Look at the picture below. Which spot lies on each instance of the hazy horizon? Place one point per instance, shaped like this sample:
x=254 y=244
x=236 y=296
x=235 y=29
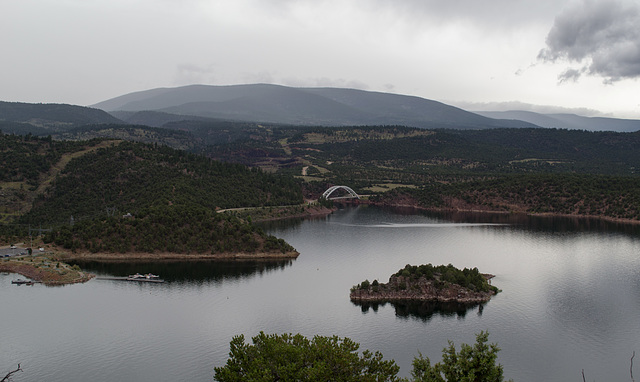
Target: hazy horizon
x=579 y=55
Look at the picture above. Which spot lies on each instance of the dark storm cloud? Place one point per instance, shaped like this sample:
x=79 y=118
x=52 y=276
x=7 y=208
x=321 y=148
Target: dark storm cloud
x=602 y=36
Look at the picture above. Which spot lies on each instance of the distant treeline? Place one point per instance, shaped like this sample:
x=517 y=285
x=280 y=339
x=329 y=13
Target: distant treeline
x=570 y=194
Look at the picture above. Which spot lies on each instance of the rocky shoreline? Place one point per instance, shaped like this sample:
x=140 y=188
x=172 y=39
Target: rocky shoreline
x=406 y=201
x=45 y=270
x=402 y=288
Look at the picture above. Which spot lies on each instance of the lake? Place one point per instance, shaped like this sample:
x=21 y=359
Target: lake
x=570 y=300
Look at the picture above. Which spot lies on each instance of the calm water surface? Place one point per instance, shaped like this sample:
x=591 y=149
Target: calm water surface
x=570 y=301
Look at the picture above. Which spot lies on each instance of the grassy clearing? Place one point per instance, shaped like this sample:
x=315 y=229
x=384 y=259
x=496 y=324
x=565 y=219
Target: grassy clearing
x=285 y=145
x=341 y=136
x=310 y=178
x=384 y=187
x=46 y=179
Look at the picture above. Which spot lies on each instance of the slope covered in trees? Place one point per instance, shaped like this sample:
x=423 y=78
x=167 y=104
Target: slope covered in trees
x=53 y=116
x=614 y=197
x=131 y=176
x=24 y=158
x=83 y=189
x=169 y=229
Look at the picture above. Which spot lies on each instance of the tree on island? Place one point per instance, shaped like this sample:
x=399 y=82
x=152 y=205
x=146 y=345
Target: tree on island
x=291 y=357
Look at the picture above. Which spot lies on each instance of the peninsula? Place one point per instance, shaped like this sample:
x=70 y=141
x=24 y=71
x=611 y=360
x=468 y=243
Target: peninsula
x=443 y=283
x=45 y=269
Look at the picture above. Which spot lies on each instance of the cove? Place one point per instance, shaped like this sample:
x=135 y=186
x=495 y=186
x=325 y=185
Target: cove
x=570 y=300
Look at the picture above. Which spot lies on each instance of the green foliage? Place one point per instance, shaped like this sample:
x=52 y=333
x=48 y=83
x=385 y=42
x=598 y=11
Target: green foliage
x=133 y=176
x=290 y=357
x=475 y=363
x=25 y=158
x=177 y=139
x=175 y=229
x=468 y=278
x=325 y=202
x=570 y=194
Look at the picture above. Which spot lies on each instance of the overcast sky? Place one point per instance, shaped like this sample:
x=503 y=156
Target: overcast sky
x=582 y=55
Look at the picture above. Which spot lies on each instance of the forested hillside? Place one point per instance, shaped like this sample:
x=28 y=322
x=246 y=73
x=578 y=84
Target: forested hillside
x=375 y=159
x=130 y=176
x=169 y=229
x=52 y=115
x=27 y=164
x=120 y=196
x=177 y=139
x=25 y=158
x=442 y=168
x=613 y=197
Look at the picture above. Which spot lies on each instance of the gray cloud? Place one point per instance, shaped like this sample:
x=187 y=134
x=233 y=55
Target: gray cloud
x=601 y=36
x=192 y=74
x=570 y=75
x=488 y=14
x=325 y=82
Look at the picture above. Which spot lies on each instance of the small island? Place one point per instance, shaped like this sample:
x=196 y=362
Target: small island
x=443 y=283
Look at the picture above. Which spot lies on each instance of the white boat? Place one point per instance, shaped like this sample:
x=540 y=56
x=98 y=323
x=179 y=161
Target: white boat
x=146 y=276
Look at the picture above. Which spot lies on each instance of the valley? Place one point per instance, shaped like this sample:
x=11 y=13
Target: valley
x=83 y=168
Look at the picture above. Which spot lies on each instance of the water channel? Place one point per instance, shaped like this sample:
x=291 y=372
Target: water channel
x=570 y=301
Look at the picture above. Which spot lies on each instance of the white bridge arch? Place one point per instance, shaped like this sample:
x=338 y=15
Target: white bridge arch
x=352 y=194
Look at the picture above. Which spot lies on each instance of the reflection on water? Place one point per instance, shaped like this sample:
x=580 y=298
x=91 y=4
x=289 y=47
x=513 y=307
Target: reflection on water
x=187 y=271
x=570 y=300
x=526 y=222
x=556 y=224
x=423 y=310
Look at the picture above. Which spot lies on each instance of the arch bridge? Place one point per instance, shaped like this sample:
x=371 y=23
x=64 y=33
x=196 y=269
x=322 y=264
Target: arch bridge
x=330 y=190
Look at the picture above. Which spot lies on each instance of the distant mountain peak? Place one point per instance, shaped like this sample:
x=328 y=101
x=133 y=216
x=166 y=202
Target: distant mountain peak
x=302 y=106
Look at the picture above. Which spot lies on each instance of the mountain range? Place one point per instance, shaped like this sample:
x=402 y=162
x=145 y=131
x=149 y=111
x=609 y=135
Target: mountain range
x=302 y=106
x=567 y=121
x=276 y=104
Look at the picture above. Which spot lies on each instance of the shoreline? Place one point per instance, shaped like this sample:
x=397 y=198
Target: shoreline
x=104 y=256
x=486 y=211
x=54 y=271
x=42 y=271
x=407 y=289
x=265 y=214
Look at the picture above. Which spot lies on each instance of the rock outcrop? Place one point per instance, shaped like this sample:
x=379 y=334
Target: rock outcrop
x=407 y=288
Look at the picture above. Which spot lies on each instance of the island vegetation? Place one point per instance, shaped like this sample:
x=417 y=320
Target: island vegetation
x=443 y=283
